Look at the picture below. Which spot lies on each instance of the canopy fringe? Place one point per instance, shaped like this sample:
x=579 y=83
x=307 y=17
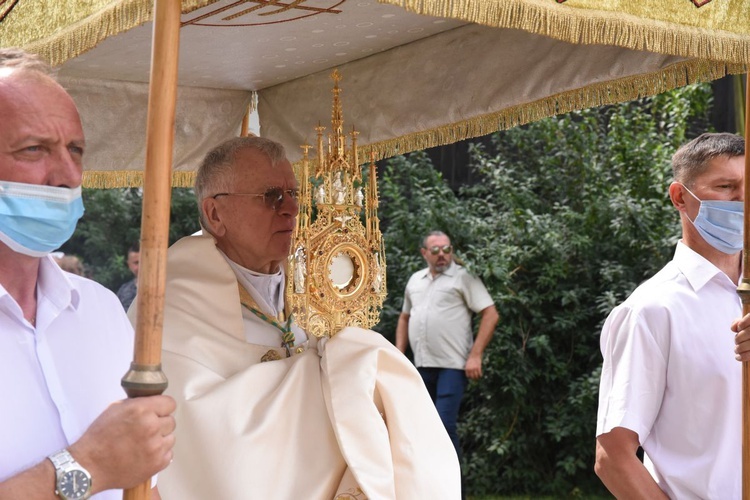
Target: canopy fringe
x=110 y=179
x=625 y=89
x=96 y=25
x=590 y=26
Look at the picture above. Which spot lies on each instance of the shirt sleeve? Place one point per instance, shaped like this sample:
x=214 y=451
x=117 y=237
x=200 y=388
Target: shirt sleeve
x=475 y=293
x=406 y=308
x=634 y=345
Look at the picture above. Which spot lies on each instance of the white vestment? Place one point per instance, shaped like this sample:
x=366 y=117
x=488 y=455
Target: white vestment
x=346 y=418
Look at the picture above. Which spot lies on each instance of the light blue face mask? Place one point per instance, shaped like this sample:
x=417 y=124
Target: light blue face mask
x=35 y=219
x=720 y=223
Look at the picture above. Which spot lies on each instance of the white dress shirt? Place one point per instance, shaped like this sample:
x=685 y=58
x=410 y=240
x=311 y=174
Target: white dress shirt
x=670 y=375
x=57 y=377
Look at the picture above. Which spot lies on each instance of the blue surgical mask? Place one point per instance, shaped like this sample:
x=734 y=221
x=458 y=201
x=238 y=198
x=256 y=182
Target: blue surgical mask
x=35 y=219
x=720 y=223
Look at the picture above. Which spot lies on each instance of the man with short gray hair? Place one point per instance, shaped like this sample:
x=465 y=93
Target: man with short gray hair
x=265 y=411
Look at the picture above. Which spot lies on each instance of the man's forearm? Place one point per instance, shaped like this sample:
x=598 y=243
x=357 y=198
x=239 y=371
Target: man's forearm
x=633 y=481
x=37 y=482
x=485 y=331
x=625 y=476
x=402 y=332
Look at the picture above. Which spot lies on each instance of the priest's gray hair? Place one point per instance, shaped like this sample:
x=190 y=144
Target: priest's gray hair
x=216 y=173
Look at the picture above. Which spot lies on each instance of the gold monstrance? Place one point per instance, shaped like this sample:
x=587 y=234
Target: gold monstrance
x=336 y=272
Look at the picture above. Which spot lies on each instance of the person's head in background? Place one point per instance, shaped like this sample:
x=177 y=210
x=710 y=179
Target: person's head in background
x=134 y=258
x=69 y=263
x=437 y=251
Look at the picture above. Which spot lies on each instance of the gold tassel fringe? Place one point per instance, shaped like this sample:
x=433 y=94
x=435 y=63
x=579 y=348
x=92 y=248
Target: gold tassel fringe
x=626 y=89
x=588 y=26
x=613 y=92
x=98 y=179
x=60 y=43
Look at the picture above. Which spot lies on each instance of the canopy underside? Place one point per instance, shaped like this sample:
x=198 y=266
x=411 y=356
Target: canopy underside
x=409 y=81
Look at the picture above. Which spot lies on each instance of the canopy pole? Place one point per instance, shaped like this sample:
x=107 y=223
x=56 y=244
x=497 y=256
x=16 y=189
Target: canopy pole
x=145 y=377
x=744 y=291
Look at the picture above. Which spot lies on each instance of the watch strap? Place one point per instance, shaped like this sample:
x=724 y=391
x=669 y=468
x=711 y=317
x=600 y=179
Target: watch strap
x=61 y=459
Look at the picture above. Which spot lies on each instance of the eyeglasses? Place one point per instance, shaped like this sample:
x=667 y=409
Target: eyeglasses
x=447 y=249
x=273 y=197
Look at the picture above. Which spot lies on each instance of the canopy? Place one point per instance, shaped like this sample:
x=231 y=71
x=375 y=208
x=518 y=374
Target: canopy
x=409 y=81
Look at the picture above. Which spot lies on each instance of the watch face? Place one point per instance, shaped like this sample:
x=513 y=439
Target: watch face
x=74 y=484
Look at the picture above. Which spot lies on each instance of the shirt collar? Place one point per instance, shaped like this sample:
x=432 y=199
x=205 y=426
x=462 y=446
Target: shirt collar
x=56 y=286
x=53 y=287
x=268 y=287
x=696 y=268
x=452 y=268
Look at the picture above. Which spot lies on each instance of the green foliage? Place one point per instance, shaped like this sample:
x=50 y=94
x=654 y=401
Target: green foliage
x=112 y=223
x=414 y=200
x=572 y=214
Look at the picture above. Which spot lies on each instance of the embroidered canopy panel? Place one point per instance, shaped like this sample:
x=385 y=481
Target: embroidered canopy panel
x=415 y=73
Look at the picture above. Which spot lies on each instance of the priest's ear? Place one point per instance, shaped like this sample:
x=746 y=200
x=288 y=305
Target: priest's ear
x=211 y=218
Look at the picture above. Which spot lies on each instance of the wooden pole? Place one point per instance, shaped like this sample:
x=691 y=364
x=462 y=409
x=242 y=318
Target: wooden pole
x=744 y=291
x=145 y=377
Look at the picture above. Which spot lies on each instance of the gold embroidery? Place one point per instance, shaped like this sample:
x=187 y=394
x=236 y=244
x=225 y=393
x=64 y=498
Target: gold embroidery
x=352 y=494
x=228 y=15
x=271 y=355
x=287 y=335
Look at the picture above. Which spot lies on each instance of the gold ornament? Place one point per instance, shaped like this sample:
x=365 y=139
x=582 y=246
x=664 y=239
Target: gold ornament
x=336 y=272
x=271 y=355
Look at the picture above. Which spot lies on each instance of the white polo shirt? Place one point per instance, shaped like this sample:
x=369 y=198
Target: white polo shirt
x=669 y=375
x=55 y=379
x=439 y=310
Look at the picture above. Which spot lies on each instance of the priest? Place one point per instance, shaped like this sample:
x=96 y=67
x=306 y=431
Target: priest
x=264 y=411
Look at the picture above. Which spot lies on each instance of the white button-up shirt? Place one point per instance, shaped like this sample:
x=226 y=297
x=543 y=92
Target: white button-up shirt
x=670 y=375
x=439 y=310
x=57 y=377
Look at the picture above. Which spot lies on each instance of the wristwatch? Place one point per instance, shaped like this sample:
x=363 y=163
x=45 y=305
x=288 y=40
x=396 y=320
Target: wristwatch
x=72 y=482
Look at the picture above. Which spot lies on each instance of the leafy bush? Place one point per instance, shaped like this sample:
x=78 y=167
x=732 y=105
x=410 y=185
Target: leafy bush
x=112 y=223
x=571 y=215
